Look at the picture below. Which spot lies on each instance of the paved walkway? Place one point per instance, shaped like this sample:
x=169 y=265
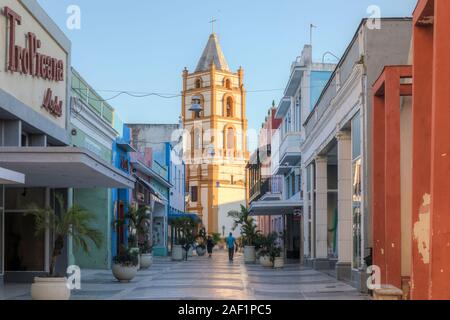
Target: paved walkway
x=204 y=278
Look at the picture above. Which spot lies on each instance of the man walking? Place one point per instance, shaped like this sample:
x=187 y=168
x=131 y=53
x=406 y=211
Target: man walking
x=231 y=244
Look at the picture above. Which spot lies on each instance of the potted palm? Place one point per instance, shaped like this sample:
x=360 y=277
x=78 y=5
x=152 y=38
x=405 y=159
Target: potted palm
x=266 y=243
x=138 y=222
x=74 y=222
x=125 y=265
x=249 y=232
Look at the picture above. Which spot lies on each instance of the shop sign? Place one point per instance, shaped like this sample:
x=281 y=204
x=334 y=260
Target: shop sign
x=29 y=61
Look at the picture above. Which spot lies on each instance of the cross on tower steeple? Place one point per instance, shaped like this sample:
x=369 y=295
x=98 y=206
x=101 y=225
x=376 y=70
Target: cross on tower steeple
x=213 y=20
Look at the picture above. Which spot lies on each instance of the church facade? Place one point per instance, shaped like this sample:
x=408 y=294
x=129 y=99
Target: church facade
x=215 y=139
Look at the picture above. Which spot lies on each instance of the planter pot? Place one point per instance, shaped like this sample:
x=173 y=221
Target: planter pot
x=265 y=262
x=249 y=254
x=124 y=273
x=50 y=289
x=177 y=253
x=279 y=263
x=201 y=251
x=146 y=260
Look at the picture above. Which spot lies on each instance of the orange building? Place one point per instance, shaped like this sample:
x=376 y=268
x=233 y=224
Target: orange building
x=411 y=156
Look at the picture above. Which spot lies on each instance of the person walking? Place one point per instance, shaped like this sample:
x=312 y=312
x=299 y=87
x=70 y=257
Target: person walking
x=210 y=245
x=231 y=244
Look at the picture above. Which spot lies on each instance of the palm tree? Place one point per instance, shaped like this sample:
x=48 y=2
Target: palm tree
x=138 y=221
x=249 y=230
x=74 y=222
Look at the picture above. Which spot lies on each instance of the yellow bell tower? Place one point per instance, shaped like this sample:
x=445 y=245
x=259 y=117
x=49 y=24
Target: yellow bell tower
x=215 y=144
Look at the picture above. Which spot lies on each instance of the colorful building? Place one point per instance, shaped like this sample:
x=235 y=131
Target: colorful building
x=336 y=153
x=35 y=121
x=410 y=203
x=215 y=140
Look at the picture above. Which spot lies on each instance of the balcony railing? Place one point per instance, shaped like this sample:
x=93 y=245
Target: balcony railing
x=267 y=186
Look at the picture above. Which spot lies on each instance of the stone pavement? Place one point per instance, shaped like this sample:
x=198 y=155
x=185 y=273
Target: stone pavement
x=202 y=278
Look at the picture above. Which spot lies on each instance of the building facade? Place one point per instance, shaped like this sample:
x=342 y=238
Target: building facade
x=215 y=140
x=35 y=108
x=410 y=162
x=336 y=153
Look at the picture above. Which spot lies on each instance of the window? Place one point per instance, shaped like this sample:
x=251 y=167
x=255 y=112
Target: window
x=198 y=83
x=229 y=107
x=228 y=83
x=194 y=194
x=230 y=145
x=298 y=115
x=197 y=140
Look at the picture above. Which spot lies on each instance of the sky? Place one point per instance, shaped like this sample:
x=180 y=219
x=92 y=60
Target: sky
x=143 y=45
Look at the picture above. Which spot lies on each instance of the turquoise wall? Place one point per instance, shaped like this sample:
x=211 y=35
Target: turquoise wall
x=99 y=203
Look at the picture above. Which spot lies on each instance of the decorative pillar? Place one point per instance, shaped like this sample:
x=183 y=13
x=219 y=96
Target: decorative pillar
x=321 y=221
x=343 y=267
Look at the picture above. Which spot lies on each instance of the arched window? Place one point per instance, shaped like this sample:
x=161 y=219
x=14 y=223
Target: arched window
x=230 y=139
x=198 y=99
x=198 y=83
x=197 y=140
x=229 y=106
x=228 y=83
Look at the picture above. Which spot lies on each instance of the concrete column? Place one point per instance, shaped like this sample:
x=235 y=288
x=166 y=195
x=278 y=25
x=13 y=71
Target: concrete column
x=321 y=223
x=343 y=267
x=306 y=214
x=440 y=158
x=421 y=163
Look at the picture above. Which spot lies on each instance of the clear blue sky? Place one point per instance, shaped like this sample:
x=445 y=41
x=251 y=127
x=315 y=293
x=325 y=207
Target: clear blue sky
x=143 y=45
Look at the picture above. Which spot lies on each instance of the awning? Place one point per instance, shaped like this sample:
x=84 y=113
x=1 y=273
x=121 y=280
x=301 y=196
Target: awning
x=275 y=208
x=11 y=177
x=150 y=172
x=175 y=215
x=63 y=167
x=152 y=190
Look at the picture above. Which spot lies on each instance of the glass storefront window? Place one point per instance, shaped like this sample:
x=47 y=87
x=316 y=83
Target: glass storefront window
x=356 y=205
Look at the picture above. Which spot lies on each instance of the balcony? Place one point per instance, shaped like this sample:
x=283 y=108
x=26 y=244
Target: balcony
x=270 y=188
x=290 y=154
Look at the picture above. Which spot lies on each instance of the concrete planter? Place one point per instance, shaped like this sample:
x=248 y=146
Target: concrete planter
x=200 y=251
x=265 y=262
x=279 y=263
x=146 y=260
x=50 y=289
x=249 y=254
x=124 y=273
x=177 y=253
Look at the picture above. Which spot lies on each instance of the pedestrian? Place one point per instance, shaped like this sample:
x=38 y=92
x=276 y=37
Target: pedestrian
x=231 y=244
x=210 y=245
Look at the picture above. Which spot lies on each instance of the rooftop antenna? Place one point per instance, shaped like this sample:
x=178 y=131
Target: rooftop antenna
x=311 y=27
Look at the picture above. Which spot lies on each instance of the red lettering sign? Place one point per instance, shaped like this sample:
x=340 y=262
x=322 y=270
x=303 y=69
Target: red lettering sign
x=28 y=60
x=52 y=104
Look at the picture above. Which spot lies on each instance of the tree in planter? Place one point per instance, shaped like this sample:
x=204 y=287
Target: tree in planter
x=184 y=231
x=138 y=222
x=74 y=222
x=249 y=230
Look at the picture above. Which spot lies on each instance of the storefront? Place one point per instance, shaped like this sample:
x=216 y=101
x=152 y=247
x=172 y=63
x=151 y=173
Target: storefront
x=34 y=139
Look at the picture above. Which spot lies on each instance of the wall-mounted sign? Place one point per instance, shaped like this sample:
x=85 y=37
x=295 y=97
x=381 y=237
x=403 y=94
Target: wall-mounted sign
x=35 y=63
x=29 y=61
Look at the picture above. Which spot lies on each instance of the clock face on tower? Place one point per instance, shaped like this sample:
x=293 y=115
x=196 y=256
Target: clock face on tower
x=215 y=124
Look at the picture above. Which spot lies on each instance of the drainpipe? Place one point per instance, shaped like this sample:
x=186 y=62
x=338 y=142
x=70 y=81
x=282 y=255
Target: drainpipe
x=70 y=255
